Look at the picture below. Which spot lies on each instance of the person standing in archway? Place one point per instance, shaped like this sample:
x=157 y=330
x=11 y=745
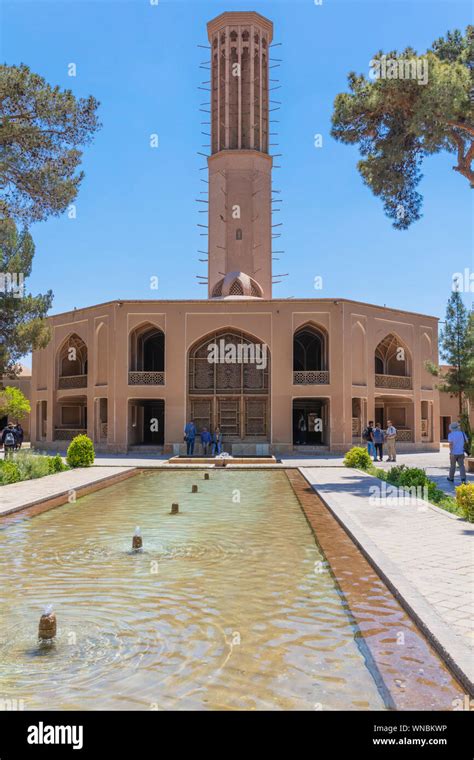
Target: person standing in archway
x=302 y=429
x=190 y=437
x=217 y=442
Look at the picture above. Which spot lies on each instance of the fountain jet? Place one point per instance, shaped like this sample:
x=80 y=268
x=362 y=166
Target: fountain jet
x=137 y=542
x=47 y=624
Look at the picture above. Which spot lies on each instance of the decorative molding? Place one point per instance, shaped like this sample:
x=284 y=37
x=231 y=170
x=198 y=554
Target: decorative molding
x=146 y=378
x=393 y=381
x=311 y=377
x=72 y=381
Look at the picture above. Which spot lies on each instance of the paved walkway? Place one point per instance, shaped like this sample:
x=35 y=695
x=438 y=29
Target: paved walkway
x=436 y=465
x=424 y=555
x=29 y=492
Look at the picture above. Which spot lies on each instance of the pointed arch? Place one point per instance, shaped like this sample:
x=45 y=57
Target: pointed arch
x=101 y=354
x=426 y=354
x=72 y=356
x=392 y=357
x=358 y=354
x=310 y=348
x=147 y=348
x=228 y=384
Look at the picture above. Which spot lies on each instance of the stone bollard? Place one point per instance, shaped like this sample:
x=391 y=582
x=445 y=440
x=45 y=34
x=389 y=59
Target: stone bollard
x=174 y=509
x=194 y=489
x=47 y=625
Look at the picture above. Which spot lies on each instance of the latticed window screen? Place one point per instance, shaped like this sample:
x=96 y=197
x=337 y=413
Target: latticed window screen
x=201 y=412
x=229 y=416
x=206 y=377
x=234 y=396
x=236 y=289
x=255 y=416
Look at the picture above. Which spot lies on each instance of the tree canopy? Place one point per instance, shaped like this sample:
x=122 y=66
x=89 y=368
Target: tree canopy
x=41 y=131
x=22 y=325
x=414 y=107
x=13 y=403
x=457 y=350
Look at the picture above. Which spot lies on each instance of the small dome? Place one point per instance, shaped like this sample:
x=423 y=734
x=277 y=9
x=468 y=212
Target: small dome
x=237 y=284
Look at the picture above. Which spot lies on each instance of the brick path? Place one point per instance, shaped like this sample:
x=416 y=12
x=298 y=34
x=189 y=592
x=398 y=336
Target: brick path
x=29 y=492
x=426 y=556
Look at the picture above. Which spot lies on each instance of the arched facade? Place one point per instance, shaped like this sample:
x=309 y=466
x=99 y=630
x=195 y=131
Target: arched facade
x=228 y=385
x=140 y=370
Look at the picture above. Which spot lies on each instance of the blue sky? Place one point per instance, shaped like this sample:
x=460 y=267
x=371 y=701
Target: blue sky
x=136 y=210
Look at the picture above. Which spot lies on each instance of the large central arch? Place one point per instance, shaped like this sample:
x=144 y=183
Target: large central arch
x=227 y=391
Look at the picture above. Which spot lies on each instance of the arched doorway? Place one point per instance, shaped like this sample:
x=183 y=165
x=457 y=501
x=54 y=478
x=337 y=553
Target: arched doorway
x=229 y=386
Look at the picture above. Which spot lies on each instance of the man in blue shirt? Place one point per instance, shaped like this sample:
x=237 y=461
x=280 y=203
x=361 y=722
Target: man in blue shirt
x=190 y=437
x=205 y=441
x=456 y=439
x=378 y=438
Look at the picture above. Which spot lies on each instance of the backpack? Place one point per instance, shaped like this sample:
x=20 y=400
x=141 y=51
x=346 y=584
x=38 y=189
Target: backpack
x=467 y=445
x=365 y=434
x=9 y=439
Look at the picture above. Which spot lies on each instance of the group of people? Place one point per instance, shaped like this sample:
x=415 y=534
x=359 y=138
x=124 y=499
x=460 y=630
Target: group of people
x=211 y=442
x=376 y=438
x=457 y=439
x=12 y=438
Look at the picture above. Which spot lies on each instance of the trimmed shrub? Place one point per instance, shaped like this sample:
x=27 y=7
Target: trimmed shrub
x=465 y=500
x=80 y=452
x=358 y=457
x=9 y=473
x=56 y=464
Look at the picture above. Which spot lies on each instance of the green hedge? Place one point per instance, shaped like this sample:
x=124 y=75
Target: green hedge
x=25 y=465
x=415 y=477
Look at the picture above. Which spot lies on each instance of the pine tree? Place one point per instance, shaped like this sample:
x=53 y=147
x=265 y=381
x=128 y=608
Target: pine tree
x=41 y=131
x=457 y=350
x=22 y=326
x=397 y=120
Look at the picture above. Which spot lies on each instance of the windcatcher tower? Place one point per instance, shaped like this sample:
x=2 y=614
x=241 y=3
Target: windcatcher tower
x=240 y=167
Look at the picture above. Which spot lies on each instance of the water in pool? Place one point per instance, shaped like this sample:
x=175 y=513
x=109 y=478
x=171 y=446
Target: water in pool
x=226 y=608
